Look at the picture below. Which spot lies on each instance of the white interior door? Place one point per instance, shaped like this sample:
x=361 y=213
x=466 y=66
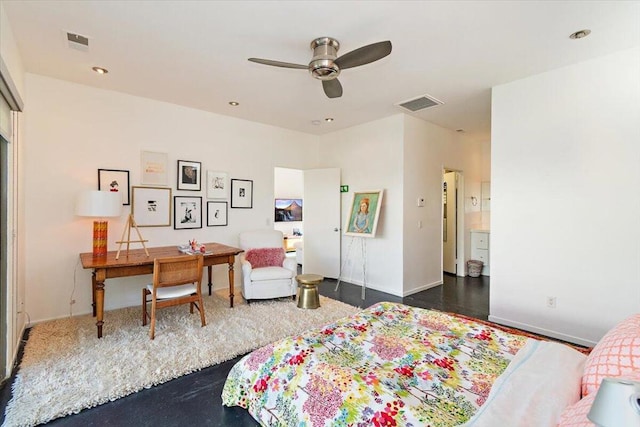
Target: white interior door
x=321 y=216
x=449 y=219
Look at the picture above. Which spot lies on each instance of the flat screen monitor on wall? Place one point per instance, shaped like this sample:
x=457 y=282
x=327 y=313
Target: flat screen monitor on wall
x=288 y=210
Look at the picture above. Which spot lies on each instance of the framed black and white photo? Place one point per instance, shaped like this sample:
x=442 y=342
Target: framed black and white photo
x=241 y=193
x=115 y=181
x=217 y=185
x=217 y=214
x=151 y=206
x=187 y=212
x=154 y=168
x=189 y=175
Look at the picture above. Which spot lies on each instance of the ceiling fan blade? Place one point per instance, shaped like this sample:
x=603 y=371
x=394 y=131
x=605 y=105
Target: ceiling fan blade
x=364 y=55
x=332 y=88
x=278 y=63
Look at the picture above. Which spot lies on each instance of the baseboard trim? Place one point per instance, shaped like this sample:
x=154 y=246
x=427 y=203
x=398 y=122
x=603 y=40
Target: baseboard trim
x=422 y=288
x=542 y=331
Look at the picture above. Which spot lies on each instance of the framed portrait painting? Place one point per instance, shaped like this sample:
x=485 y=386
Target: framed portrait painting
x=189 y=175
x=154 y=168
x=187 y=212
x=116 y=181
x=151 y=206
x=364 y=214
x=241 y=193
x=217 y=214
x=217 y=185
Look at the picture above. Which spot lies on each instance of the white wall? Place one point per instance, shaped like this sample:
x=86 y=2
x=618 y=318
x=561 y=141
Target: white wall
x=428 y=150
x=73 y=130
x=565 y=201
x=370 y=158
x=288 y=184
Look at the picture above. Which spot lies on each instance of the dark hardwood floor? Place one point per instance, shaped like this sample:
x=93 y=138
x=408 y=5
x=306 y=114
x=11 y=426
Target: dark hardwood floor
x=195 y=399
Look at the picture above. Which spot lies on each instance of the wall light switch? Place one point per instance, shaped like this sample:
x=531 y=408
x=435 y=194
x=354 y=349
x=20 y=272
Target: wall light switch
x=420 y=202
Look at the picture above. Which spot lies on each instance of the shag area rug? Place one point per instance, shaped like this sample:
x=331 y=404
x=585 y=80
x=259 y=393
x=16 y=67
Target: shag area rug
x=66 y=368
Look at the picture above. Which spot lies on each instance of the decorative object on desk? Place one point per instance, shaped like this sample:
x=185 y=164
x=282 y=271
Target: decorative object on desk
x=154 y=168
x=242 y=193
x=217 y=213
x=115 y=181
x=187 y=212
x=43 y=389
x=617 y=403
x=288 y=210
x=131 y=222
x=189 y=174
x=99 y=204
x=364 y=214
x=151 y=206
x=217 y=183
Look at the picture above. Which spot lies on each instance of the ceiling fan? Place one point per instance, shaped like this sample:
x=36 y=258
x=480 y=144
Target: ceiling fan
x=326 y=65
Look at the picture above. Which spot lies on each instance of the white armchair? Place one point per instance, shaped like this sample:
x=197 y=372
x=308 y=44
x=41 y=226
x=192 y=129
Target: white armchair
x=271 y=281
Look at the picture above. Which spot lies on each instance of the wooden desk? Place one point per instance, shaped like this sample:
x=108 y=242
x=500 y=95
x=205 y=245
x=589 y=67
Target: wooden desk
x=138 y=263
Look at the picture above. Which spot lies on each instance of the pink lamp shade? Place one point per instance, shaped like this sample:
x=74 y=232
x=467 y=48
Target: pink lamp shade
x=99 y=204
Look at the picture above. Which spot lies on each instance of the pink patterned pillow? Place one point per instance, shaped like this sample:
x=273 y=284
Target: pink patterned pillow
x=265 y=257
x=617 y=354
x=576 y=414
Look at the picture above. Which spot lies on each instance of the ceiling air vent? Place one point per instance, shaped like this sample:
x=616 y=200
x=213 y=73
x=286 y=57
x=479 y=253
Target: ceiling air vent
x=76 y=41
x=420 y=103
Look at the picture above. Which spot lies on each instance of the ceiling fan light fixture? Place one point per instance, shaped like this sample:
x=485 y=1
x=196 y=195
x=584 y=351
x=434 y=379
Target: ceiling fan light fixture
x=324 y=69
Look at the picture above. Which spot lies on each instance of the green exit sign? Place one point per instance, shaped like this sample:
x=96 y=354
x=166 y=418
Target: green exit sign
x=344 y=188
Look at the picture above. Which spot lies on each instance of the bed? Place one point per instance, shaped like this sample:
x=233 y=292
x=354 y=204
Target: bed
x=396 y=365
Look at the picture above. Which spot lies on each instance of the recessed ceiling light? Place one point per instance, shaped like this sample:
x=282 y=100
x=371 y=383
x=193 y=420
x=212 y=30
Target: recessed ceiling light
x=580 y=34
x=100 y=70
x=460 y=130
x=315 y=122
x=328 y=119
x=234 y=103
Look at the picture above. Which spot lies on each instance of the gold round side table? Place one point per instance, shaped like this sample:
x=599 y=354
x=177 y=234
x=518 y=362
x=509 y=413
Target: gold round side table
x=308 y=296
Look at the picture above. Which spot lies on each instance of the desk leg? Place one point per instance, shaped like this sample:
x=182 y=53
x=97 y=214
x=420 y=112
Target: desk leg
x=231 y=283
x=100 y=276
x=209 y=268
x=93 y=292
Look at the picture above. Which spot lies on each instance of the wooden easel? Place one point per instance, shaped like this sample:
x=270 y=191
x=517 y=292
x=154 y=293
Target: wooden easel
x=131 y=223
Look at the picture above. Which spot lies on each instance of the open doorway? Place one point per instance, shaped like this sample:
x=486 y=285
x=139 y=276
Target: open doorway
x=452 y=222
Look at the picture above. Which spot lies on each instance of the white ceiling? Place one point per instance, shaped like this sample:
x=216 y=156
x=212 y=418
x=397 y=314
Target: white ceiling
x=194 y=53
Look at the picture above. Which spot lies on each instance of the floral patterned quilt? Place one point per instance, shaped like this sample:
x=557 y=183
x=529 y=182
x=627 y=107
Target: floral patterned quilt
x=389 y=365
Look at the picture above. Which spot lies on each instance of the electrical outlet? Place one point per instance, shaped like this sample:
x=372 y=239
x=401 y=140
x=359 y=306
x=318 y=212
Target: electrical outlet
x=551 y=302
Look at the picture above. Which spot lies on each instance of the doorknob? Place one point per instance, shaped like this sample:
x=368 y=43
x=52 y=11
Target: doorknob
x=336 y=229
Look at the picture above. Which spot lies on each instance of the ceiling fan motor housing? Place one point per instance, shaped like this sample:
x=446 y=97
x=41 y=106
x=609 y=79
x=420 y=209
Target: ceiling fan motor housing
x=325 y=51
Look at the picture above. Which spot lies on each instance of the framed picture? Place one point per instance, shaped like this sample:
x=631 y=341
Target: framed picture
x=241 y=193
x=116 y=181
x=151 y=206
x=217 y=213
x=217 y=185
x=187 y=212
x=363 y=216
x=189 y=175
x=154 y=168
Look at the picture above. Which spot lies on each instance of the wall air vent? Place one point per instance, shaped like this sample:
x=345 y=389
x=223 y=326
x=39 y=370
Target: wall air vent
x=420 y=103
x=76 y=41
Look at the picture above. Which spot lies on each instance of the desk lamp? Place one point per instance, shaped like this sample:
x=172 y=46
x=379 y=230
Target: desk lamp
x=617 y=403
x=100 y=204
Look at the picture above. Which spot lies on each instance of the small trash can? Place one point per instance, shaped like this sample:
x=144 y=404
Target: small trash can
x=474 y=267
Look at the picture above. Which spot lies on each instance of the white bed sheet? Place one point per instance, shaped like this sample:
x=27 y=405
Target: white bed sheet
x=542 y=380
